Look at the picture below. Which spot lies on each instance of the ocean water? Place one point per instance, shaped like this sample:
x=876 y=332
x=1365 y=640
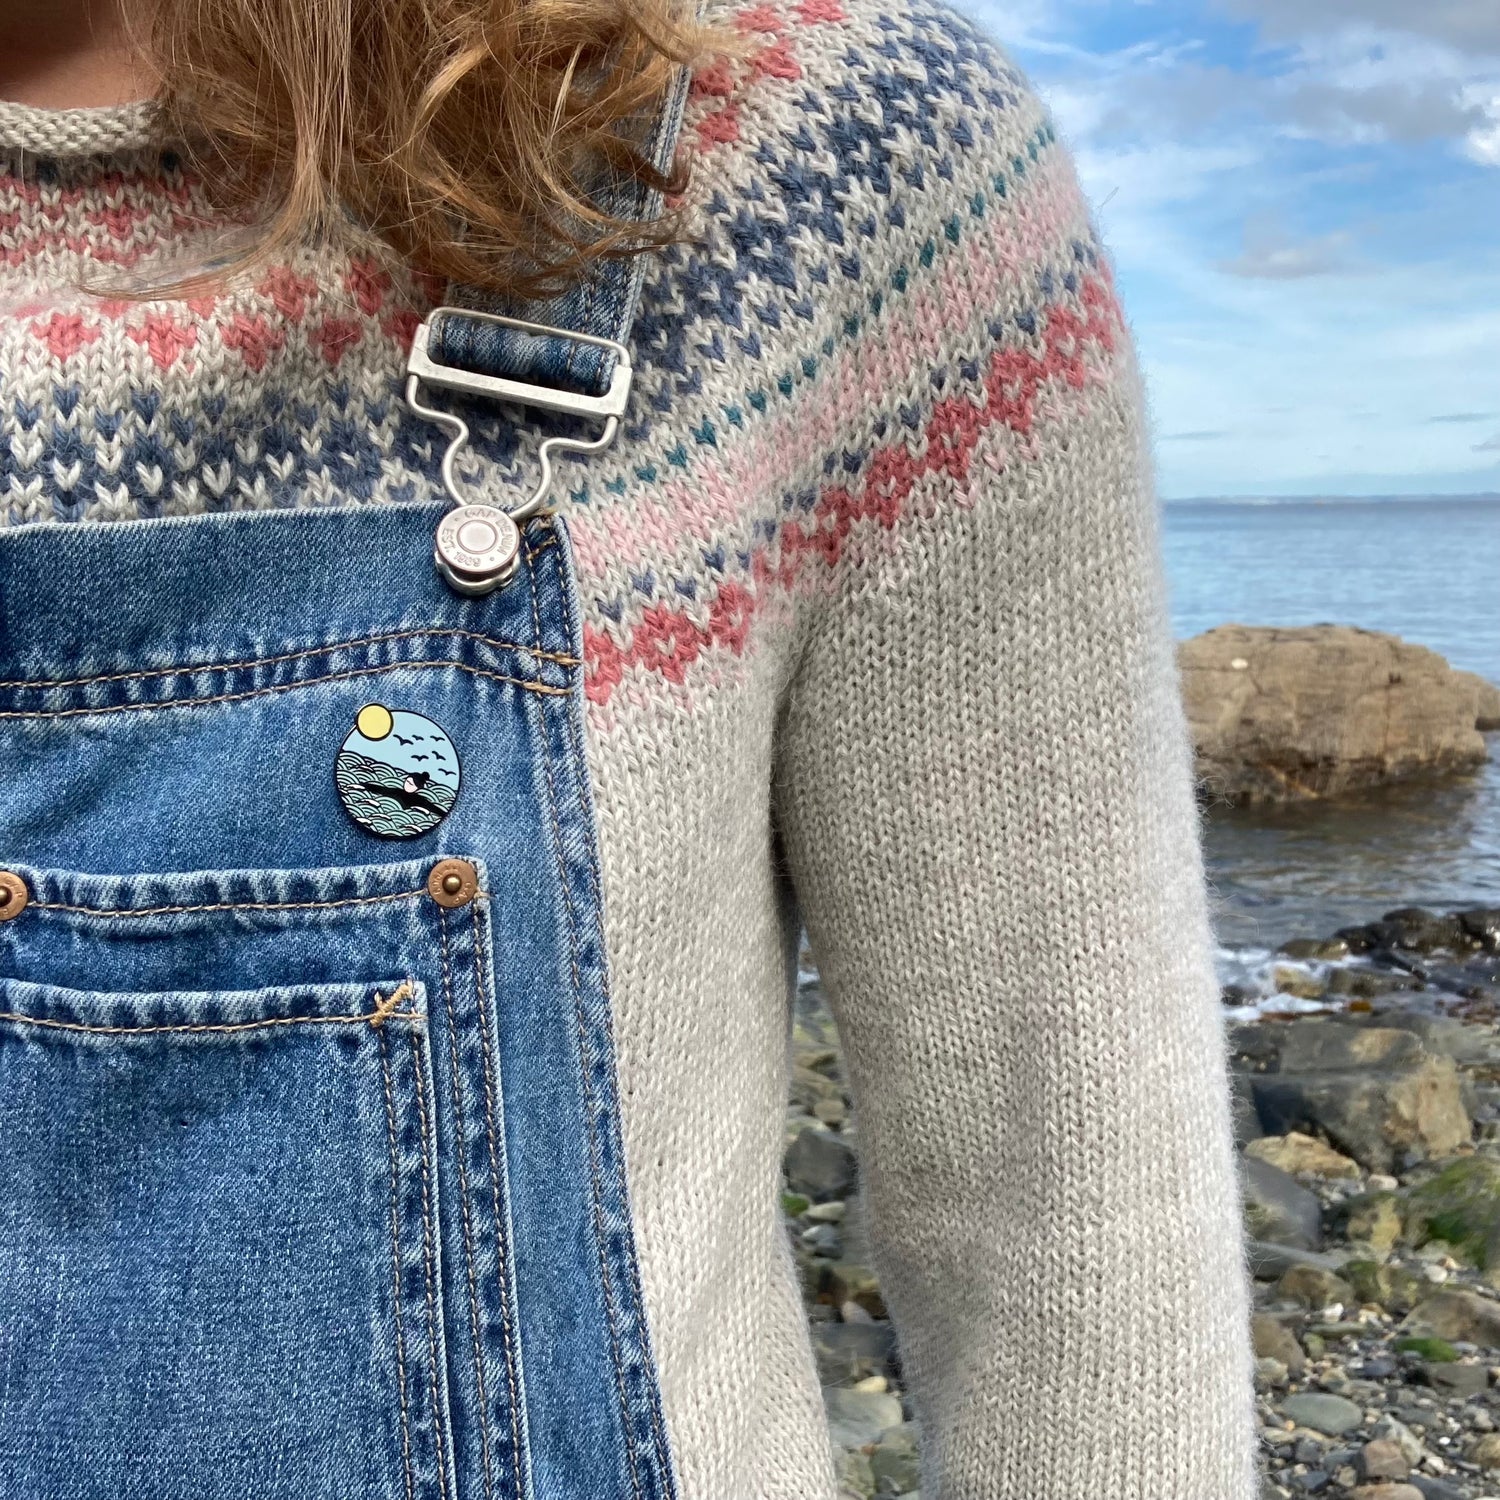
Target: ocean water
x=1426 y=570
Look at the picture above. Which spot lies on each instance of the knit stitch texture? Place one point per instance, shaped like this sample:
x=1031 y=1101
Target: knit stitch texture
x=874 y=621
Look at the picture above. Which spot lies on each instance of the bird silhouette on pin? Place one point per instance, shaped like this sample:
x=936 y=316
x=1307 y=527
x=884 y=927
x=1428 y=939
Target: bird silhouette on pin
x=378 y=780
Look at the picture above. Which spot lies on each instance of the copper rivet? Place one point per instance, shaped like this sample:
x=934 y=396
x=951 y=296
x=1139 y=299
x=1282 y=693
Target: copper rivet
x=14 y=896
x=453 y=882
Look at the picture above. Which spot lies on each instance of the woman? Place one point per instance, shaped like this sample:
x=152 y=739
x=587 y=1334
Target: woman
x=395 y=961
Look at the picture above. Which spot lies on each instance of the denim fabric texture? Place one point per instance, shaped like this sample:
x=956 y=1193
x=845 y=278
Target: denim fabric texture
x=313 y=1184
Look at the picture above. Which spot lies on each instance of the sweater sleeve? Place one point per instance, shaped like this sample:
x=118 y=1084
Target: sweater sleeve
x=983 y=787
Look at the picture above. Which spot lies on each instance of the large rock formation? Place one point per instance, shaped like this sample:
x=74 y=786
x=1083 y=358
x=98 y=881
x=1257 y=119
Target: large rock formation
x=1307 y=712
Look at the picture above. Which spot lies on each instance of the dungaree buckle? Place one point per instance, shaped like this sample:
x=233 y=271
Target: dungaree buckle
x=477 y=545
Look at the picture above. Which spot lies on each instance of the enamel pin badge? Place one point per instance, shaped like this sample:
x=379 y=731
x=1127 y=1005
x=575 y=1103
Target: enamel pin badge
x=397 y=773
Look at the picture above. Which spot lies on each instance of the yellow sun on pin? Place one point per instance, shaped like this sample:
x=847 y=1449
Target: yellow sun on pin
x=374 y=721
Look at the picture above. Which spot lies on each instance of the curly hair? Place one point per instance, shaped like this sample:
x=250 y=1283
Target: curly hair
x=464 y=134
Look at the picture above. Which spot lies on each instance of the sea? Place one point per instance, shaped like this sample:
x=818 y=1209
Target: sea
x=1427 y=570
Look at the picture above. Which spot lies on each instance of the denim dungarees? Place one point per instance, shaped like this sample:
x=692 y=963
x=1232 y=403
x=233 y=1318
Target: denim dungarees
x=313 y=1184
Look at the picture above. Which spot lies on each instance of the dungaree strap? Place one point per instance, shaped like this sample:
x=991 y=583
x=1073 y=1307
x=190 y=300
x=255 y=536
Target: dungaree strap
x=602 y=304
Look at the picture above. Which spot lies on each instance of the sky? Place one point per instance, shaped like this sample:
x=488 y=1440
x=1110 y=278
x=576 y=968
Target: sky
x=1302 y=199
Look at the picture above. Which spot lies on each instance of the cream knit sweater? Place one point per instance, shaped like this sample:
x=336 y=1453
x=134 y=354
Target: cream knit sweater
x=874 y=615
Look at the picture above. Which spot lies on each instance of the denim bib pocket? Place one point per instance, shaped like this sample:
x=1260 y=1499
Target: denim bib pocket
x=390 y=1254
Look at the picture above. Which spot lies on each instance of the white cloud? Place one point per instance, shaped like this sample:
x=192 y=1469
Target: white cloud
x=1272 y=255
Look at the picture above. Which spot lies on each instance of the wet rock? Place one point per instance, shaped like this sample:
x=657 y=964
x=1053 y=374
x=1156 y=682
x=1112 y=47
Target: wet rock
x=1305 y=949
x=820 y=1164
x=1322 y=1411
x=1418 y=930
x=1310 y=712
x=1482 y=923
x=1278 y=1209
x=1302 y=983
x=1295 y=1152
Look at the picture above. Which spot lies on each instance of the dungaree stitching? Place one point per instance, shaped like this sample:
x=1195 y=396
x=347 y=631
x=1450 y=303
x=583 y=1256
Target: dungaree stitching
x=501 y=1258
x=285 y=687
x=584 y=1055
x=596 y=890
x=465 y=1215
x=164 y=911
x=427 y=1256
x=375 y=1017
x=390 y=1126
x=188 y=668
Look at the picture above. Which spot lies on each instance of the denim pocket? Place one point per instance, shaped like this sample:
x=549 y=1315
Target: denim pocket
x=219 y=1223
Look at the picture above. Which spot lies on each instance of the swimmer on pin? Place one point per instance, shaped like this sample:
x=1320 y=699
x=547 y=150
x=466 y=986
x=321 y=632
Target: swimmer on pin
x=397 y=772
x=478 y=545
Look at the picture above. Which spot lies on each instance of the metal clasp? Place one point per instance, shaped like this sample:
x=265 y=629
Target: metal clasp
x=478 y=545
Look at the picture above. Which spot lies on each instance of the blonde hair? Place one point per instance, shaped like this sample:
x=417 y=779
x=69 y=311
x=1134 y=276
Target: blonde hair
x=462 y=133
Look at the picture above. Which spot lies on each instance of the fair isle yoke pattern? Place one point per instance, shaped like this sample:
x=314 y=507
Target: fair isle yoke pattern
x=872 y=608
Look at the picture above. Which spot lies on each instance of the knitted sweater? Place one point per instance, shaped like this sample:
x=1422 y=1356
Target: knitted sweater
x=874 y=614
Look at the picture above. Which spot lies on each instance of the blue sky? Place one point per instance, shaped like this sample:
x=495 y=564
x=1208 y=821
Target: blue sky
x=1303 y=201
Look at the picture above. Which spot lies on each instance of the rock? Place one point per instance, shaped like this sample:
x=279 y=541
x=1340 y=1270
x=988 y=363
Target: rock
x=1303 y=949
x=847 y=1352
x=1485 y=1451
x=1456 y=1314
x=1409 y=1109
x=1278 y=1209
x=1268 y=1261
x=1435 y=1489
x=1402 y=1436
x=1386 y=1492
x=1373 y=1219
x=1295 y=1152
x=848 y=1282
x=820 y=1164
x=1457 y=1377
x=1482 y=923
x=1394 y=1288
x=1322 y=709
x=1418 y=930
x=1317 y=1045
x=855 y=1480
x=1322 y=1411
x=1272 y=1339
x=1382 y=1458
x=1461 y=1206
x=859 y=1417
x=1301 y=983
x=1486 y=700
x=895 y=1462
x=1314 y=1288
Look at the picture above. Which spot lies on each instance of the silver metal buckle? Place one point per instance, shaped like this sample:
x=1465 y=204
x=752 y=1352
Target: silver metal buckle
x=478 y=545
